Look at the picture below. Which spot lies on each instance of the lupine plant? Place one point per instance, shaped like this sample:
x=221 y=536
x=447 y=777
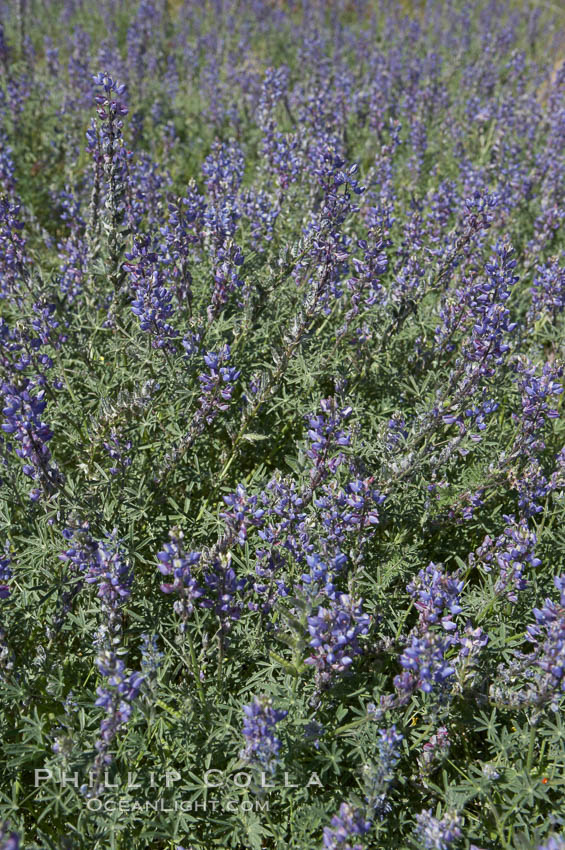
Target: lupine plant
x=282 y=455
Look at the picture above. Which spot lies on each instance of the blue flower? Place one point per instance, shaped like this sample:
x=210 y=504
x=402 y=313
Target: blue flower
x=262 y=745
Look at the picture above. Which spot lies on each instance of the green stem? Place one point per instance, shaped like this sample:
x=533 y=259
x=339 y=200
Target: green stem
x=195 y=670
x=531 y=748
x=220 y=660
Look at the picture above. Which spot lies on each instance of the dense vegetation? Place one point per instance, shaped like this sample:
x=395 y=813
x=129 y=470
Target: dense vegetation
x=282 y=462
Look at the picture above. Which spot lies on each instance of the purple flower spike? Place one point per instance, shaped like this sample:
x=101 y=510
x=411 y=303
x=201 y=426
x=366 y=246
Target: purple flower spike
x=438 y=834
x=344 y=826
x=262 y=745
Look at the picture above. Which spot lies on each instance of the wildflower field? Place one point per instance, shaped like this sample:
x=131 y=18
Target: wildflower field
x=282 y=456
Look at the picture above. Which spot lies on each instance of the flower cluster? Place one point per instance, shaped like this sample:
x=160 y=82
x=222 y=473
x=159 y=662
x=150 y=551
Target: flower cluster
x=111 y=111
x=223 y=169
x=217 y=385
x=242 y=512
x=345 y=826
x=219 y=589
x=150 y=655
x=436 y=597
x=13 y=251
x=9 y=840
x=379 y=777
x=5 y=572
x=425 y=663
x=433 y=591
x=535 y=391
x=536 y=679
x=174 y=561
x=513 y=551
x=6 y=654
x=102 y=563
x=348 y=511
x=334 y=630
x=112 y=573
x=434 y=752
x=262 y=744
x=22 y=422
x=106 y=145
x=152 y=305
x=116 y=698
x=181 y=234
x=438 y=834
x=547 y=661
x=325 y=434
x=223 y=591
x=548 y=291
x=117 y=450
